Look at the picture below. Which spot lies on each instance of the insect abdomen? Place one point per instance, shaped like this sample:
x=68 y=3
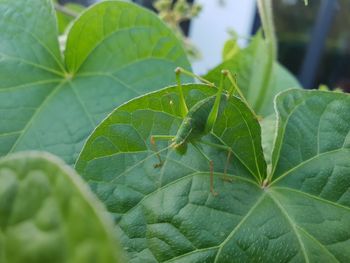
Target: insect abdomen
x=194 y=124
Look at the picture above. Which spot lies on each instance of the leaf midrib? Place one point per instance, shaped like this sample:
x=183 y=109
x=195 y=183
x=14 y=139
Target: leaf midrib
x=124 y=66
x=318 y=198
x=179 y=180
x=38 y=110
x=48 y=50
x=253 y=145
x=61 y=74
x=318 y=243
x=251 y=210
x=20 y=86
x=285 y=174
x=282 y=132
x=54 y=92
x=293 y=226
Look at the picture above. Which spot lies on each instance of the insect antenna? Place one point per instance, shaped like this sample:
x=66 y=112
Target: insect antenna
x=180 y=70
x=233 y=79
x=214 y=111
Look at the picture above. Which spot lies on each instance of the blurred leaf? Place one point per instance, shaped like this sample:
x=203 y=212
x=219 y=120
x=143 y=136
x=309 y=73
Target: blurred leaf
x=47 y=214
x=231 y=48
x=249 y=66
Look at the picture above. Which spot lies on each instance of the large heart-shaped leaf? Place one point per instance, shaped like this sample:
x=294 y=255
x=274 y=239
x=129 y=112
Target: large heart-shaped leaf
x=115 y=51
x=300 y=213
x=250 y=64
x=47 y=214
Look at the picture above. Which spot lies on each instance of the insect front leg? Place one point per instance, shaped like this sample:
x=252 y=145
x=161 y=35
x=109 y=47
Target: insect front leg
x=154 y=139
x=178 y=72
x=227 y=178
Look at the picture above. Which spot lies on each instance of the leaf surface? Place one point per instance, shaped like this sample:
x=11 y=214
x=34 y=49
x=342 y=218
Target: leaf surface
x=149 y=204
x=115 y=51
x=169 y=215
x=47 y=214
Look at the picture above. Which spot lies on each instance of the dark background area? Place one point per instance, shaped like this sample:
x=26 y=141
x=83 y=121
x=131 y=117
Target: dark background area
x=314 y=41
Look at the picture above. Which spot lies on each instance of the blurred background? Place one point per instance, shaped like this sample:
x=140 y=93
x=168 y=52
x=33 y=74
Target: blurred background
x=314 y=41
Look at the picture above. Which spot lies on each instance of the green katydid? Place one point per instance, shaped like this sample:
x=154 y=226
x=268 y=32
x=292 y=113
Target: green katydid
x=199 y=121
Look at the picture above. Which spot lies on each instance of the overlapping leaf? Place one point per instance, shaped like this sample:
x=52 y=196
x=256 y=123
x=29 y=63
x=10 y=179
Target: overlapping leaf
x=301 y=213
x=249 y=64
x=115 y=51
x=167 y=212
x=47 y=214
x=66 y=14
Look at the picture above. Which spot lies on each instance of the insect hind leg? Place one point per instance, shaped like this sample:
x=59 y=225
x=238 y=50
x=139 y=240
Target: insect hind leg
x=227 y=178
x=211 y=168
x=229 y=154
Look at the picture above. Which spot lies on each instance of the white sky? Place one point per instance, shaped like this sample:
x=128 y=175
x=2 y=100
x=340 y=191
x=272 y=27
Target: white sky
x=209 y=31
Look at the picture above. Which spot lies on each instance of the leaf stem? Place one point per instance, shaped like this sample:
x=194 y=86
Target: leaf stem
x=266 y=15
x=66 y=11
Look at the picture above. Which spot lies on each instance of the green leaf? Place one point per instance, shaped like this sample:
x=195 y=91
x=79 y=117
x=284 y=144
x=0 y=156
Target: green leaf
x=268 y=134
x=115 y=51
x=118 y=162
x=169 y=215
x=231 y=48
x=47 y=214
x=249 y=65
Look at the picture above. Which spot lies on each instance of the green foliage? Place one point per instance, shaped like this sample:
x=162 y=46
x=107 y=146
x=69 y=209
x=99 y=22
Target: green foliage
x=47 y=214
x=249 y=64
x=115 y=51
x=300 y=211
x=287 y=199
x=66 y=14
x=231 y=48
x=268 y=131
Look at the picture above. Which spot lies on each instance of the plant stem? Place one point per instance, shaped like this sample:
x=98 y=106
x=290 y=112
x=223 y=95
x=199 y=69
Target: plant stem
x=266 y=15
x=64 y=10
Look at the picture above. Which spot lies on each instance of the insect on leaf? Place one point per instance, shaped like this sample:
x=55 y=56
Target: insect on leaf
x=249 y=65
x=118 y=163
x=301 y=214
